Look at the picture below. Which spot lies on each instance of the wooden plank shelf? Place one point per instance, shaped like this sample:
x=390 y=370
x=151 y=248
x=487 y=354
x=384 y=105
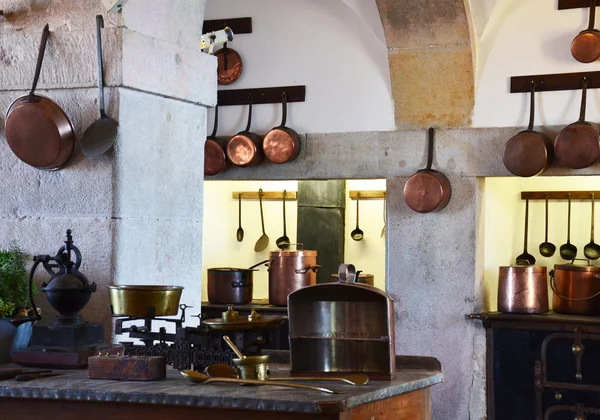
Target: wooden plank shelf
x=554 y=82
x=559 y=195
x=237 y=25
x=574 y=4
x=368 y=195
x=267 y=195
x=268 y=95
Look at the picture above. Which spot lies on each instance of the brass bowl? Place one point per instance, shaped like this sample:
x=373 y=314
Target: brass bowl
x=252 y=367
x=143 y=301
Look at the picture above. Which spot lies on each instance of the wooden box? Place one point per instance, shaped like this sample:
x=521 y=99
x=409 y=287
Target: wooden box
x=128 y=368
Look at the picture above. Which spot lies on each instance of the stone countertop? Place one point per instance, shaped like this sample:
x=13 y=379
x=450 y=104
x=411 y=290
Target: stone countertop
x=175 y=390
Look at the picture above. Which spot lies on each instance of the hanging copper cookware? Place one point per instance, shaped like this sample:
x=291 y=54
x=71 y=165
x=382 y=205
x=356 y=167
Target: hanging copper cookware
x=576 y=288
x=282 y=144
x=245 y=148
x=585 y=48
x=528 y=153
x=578 y=144
x=229 y=65
x=428 y=190
x=38 y=131
x=215 y=158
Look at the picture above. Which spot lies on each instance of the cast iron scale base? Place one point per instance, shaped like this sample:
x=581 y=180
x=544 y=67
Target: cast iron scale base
x=189 y=347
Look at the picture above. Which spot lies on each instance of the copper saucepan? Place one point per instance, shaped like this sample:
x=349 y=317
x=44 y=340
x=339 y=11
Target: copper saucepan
x=585 y=48
x=428 y=190
x=528 y=153
x=578 y=144
x=245 y=148
x=38 y=131
x=215 y=158
x=282 y=144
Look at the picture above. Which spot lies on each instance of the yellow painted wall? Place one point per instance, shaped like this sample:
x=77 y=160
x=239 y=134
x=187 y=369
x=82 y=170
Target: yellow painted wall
x=504 y=214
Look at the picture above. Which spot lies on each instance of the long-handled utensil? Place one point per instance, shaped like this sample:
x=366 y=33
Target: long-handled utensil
x=547 y=249
x=384 y=218
x=568 y=251
x=525 y=258
x=263 y=241
x=240 y=232
x=592 y=250
x=357 y=234
x=100 y=136
x=201 y=378
x=233 y=347
x=283 y=242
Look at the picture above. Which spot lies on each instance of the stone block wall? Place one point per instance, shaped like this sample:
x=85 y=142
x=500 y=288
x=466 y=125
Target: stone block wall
x=136 y=211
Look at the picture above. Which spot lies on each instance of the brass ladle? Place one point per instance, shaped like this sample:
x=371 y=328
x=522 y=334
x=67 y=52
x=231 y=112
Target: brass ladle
x=201 y=378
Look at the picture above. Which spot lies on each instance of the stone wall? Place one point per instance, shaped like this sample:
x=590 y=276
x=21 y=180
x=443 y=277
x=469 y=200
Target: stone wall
x=136 y=212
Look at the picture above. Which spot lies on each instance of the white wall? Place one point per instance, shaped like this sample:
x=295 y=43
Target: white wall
x=336 y=48
x=220 y=247
x=505 y=218
x=367 y=255
x=526 y=37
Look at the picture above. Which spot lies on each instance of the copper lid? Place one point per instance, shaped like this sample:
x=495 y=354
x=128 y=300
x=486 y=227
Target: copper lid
x=523 y=269
x=585 y=48
x=423 y=192
x=278 y=146
x=578 y=145
x=241 y=150
x=226 y=76
x=215 y=161
x=577 y=267
x=525 y=154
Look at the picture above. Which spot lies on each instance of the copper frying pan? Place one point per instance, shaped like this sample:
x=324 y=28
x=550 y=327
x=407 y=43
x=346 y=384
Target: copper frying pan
x=229 y=65
x=282 y=144
x=37 y=130
x=585 y=48
x=578 y=144
x=428 y=190
x=528 y=153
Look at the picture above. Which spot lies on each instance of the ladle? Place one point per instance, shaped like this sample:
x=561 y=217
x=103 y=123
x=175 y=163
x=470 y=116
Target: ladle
x=283 y=242
x=592 y=250
x=568 y=251
x=220 y=370
x=240 y=232
x=201 y=378
x=263 y=241
x=525 y=257
x=357 y=234
x=547 y=249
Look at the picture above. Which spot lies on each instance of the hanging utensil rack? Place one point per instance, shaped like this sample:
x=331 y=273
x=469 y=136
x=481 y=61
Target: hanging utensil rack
x=367 y=195
x=267 y=195
x=554 y=82
x=573 y=4
x=558 y=195
x=268 y=95
x=237 y=25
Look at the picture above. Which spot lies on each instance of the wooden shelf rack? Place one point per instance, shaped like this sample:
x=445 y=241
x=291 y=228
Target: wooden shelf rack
x=367 y=195
x=267 y=195
x=559 y=195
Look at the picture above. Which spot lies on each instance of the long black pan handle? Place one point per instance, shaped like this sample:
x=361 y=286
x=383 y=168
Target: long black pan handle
x=40 y=59
x=99 y=26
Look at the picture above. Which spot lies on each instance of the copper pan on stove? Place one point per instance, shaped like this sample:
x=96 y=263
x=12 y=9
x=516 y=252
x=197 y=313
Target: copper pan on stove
x=38 y=131
x=245 y=148
x=529 y=152
x=428 y=190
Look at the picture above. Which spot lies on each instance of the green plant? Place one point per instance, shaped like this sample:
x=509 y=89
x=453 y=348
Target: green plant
x=13 y=281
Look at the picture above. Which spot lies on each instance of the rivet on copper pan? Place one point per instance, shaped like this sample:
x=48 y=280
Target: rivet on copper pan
x=241 y=150
x=278 y=146
x=215 y=161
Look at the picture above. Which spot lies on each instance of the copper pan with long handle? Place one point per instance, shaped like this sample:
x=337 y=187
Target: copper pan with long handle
x=38 y=131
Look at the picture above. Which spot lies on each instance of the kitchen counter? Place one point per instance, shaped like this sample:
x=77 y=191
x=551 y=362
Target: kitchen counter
x=101 y=399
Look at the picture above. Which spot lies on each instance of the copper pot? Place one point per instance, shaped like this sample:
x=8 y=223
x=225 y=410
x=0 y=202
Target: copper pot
x=245 y=148
x=290 y=271
x=282 y=144
x=576 y=289
x=231 y=285
x=523 y=289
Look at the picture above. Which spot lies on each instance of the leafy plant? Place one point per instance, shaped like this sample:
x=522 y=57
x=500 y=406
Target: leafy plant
x=13 y=281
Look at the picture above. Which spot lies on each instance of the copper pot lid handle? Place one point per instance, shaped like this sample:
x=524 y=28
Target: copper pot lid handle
x=347 y=273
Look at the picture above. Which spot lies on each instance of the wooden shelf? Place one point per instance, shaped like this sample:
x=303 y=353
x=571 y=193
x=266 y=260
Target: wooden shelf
x=574 y=4
x=267 y=95
x=237 y=25
x=559 y=195
x=368 y=195
x=554 y=82
x=267 y=195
